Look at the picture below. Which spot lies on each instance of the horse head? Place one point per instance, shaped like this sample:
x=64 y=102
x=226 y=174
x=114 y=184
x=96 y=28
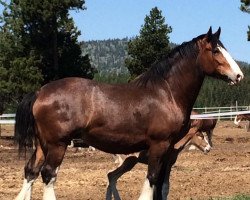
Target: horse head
x=215 y=61
x=201 y=141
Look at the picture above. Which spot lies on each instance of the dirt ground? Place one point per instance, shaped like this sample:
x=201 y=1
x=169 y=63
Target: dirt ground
x=223 y=172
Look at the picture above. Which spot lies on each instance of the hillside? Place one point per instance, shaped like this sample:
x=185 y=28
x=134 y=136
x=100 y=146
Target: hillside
x=107 y=55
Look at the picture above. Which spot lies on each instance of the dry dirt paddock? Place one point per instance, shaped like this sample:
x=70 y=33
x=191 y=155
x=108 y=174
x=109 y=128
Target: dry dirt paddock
x=224 y=172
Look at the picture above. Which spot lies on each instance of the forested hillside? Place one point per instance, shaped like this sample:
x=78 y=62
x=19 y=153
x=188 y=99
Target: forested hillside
x=108 y=57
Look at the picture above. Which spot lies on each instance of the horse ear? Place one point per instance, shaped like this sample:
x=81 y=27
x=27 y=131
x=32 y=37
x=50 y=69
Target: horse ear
x=217 y=34
x=209 y=34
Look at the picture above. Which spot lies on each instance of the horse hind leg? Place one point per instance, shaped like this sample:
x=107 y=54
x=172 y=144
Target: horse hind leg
x=113 y=176
x=50 y=169
x=31 y=172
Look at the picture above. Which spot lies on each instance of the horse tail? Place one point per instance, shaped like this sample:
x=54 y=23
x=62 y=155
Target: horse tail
x=25 y=123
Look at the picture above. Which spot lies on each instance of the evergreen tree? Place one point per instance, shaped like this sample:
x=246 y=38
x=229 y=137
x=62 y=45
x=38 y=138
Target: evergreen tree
x=150 y=45
x=39 y=43
x=19 y=71
x=245 y=7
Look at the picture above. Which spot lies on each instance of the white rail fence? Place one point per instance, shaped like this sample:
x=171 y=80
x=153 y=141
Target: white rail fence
x=7 y=122
x=227 y=113
x=221 y=113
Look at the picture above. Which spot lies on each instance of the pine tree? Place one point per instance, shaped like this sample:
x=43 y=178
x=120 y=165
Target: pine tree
x=245 y=7
x=150 y=45
x=38 y=44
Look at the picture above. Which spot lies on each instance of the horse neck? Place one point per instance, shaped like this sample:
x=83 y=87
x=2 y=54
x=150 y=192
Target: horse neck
x=185 y=81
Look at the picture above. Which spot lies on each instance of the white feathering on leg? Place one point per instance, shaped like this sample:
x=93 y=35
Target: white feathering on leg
x=49 y=193
x=25 y=193
x=147 y=191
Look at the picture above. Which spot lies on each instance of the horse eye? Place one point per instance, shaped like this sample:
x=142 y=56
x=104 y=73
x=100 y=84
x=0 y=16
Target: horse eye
x=216 y=51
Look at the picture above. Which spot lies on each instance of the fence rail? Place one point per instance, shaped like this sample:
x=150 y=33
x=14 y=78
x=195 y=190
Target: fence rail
x=226 y=109
x=7 y=119
x=7 y=122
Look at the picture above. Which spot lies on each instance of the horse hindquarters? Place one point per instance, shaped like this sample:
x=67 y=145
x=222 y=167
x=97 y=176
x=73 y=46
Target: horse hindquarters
x=47 y=156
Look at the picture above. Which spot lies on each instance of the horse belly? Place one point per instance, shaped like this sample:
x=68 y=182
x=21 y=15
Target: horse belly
x=116 y=143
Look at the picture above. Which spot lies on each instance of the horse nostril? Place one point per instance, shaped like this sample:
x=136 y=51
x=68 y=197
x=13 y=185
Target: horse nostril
x=238 y=77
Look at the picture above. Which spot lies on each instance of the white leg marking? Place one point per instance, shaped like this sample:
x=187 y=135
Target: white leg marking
x=28 y=194
x=49 y=193
x=25 y=193
x=147 y=191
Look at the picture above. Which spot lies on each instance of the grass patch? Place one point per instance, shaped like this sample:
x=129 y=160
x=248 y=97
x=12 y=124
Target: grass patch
x=237 y=197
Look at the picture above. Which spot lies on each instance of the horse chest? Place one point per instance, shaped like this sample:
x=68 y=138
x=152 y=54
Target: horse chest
x=165 y=125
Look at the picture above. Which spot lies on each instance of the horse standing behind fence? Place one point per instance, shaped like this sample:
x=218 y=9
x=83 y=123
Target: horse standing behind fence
x=151 y=113
x=241 y=117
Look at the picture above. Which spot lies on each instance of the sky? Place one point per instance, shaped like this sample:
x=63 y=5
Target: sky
x=110 y=19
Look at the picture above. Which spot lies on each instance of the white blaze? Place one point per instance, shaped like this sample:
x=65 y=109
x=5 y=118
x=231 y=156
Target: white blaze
x=234 y=66
x=208 y=147
x=236 y=122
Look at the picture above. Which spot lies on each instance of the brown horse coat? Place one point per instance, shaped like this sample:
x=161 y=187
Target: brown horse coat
x=151 y=113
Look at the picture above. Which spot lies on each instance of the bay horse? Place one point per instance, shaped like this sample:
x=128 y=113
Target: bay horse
x=196 y=138
x=241 y=117
x=150 y=113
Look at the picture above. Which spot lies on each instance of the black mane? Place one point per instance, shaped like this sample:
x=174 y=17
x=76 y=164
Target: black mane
x=159 y=69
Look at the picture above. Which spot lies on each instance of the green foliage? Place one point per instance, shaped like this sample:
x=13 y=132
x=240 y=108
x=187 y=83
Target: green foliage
x=237 y=197
x=107 y=55
x=150 y=45
x=22 y=71
x=241 y=197
x=245 y=7
x=112 y=77
x=38 y=44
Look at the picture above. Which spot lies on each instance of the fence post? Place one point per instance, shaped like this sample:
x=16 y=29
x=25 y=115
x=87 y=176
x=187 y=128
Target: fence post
x=248 y=126
x=231 y=114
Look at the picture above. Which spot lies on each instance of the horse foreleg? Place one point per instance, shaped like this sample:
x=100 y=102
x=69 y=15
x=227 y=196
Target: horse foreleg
x=155 y=161
x=50 y=169
x=31 y=172
x=171 y=159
